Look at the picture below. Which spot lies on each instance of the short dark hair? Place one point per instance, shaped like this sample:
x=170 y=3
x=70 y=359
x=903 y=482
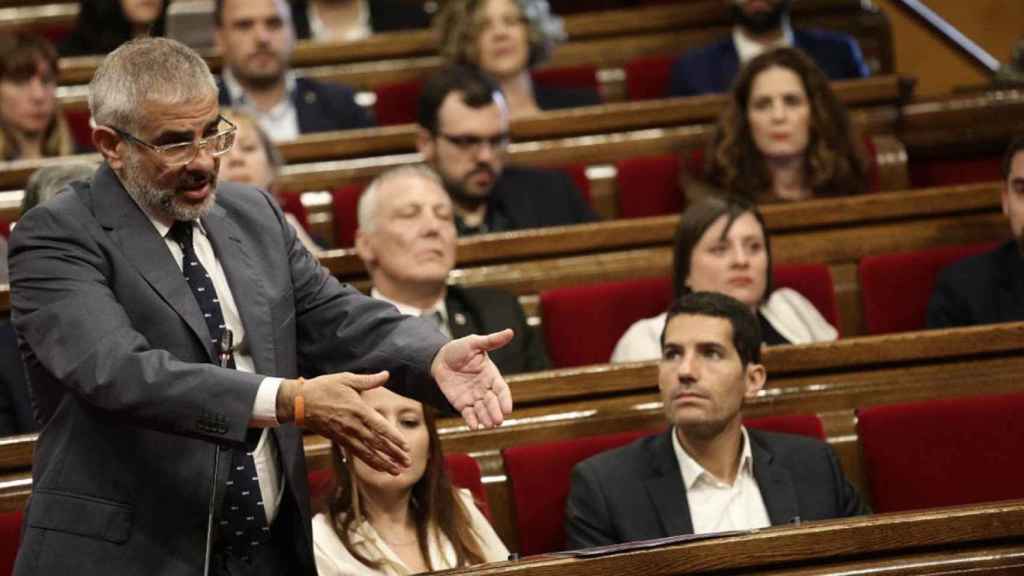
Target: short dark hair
x=696 y=220
x=1016 y=146
x=746 y=329
x=478 y=90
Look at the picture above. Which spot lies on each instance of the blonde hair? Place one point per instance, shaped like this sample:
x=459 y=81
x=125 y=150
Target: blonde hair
x=22 y=54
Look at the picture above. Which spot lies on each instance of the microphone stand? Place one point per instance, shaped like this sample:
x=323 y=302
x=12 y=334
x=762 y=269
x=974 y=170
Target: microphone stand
x=224 y=357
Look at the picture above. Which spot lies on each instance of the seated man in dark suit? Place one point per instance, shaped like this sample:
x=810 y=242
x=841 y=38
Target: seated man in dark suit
x=761 y=26
x=706 y=473
x=406 y=238
x=256 y=39
x=463 y=135
x=988 y=288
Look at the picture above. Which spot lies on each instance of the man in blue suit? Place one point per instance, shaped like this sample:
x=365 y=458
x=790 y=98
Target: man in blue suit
x=762 y=25
x=256 y=39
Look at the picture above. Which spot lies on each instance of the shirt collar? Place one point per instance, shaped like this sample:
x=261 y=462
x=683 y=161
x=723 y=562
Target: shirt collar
x=693 y=472
x=747 y=49
x=408 y=310
x=236 y=94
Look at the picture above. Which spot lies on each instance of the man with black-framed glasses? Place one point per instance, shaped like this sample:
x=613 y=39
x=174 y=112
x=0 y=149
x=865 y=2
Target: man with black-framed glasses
x=463 y=134
x=165 y=321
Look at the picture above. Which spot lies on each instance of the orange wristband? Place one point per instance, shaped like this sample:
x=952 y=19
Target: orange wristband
x=300 y=406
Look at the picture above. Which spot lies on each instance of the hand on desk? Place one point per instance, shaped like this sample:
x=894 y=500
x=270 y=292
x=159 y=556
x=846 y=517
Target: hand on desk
x=334 y=409
x=471 y=381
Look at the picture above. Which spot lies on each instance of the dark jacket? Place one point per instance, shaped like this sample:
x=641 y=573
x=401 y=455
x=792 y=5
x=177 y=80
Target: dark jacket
x=712 y=68
x=487 y=310
x=525 y=198
x=982 y=289
x=636 y=492
x=552 y=98
x=321 y=106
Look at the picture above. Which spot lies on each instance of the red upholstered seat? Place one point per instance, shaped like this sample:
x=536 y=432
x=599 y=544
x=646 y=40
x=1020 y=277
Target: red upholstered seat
x=608 y=309
x=647 y=78
x=567 y=77
x=291 y=202
x=648 y=186
x=952 y=171
x=583 y=323
x=345 y=201
x=943 y=452
x=895 y=288
x=578 y=173
x=10 y=539
x=81 y=132
x=463 y=471
x=539 y=475
x=396 y=103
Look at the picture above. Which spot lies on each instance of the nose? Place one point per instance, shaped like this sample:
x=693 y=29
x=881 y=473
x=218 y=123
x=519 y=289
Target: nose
x=778 y=111
x=740 y=258
x=688 y=368
x=204 y=160
x=37 y=88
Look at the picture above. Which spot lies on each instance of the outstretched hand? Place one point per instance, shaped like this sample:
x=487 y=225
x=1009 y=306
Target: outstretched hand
x=334 y=408
x=471 y=381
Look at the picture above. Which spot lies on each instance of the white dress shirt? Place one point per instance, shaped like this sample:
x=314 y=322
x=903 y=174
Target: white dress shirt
x=747 y=49
x=281 y=122
x=264 y=414
x=716 y=506
x=439 y=307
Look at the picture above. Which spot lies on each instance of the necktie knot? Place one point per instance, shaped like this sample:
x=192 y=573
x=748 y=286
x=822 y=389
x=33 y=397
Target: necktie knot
x=181 y=232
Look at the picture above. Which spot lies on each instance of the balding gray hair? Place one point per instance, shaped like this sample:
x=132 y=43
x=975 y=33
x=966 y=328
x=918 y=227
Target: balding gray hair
x=367 y=210
x=48 y=181
x=156 y=70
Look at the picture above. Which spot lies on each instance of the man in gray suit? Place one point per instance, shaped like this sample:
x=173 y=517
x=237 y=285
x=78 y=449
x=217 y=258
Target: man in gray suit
x=707 y=473
x=125 y=293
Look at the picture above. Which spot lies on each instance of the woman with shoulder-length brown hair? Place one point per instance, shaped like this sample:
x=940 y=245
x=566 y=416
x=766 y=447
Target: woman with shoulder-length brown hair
x=784 y=135
x=505 y=39
x=31 y=125
x=376 y=523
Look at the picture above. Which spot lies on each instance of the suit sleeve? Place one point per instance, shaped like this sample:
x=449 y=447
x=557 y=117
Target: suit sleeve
x=587 y=521
x=679 y=81
x=579 y=210
x=80 y=336
x=346 y=112
x=849 y=502
x=854 y=65
x=947 y=307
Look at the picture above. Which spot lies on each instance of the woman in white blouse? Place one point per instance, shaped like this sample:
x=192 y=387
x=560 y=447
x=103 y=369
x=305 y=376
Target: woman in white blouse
x=722 y=246
x=417 y=521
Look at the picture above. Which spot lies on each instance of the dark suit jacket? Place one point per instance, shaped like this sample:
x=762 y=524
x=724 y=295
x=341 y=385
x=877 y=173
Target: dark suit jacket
x=320 y=106
x=711 y=69
x=117 y=354
x=385 y=16
x=486 y=310
x=982 y=289
x=551 y=98
x=636 y=492
x=532 y=198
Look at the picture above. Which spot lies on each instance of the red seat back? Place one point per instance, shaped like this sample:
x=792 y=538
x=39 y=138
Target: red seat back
x=648 y=186
x=895 y=288
x=943 y=452
x=947 y=171
x=291 y=202
x=583 y=323
x=345 y=201
x=580 y=77
x=396 y=103
x=10 y=539
x=608 y=309
x=81 y=131
x=578 y=173
x=647 y=78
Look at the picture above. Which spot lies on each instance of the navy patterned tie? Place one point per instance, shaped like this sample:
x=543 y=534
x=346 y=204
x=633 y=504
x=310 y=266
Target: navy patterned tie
x=243 y=521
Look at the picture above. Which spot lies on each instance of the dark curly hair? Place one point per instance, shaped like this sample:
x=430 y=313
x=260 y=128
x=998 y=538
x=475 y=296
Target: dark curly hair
x=833 y=162
x=102 y=26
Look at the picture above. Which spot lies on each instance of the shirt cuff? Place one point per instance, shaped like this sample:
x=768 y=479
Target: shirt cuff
x=264 y=409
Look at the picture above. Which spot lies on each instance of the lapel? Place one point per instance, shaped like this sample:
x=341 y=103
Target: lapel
x=460 y=321
x=142 y=246
x=246 y=288
x=775 y=482
x=306 y=108
x=665 y=487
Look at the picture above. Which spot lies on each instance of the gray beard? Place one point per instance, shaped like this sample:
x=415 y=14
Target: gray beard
x=161 y=201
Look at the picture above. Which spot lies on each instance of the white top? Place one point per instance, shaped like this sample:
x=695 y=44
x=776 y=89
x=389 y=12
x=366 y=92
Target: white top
x=280 y=122
x=747 y=49
x=716 y=506
x=334 y=559
x=439 y=307
x=359 y=29
x=788 y=311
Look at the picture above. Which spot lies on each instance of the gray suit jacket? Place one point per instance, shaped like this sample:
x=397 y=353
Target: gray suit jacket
x=636 y=492
x=114 y=346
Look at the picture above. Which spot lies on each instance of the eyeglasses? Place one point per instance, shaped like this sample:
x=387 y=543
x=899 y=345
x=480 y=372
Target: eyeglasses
x=473 y=144
x=182 y=153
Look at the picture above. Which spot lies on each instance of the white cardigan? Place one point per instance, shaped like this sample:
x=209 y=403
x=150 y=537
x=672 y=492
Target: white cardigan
x=788 y=311
x=334 y=559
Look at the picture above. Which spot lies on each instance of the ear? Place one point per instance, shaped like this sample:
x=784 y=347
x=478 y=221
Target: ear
x=364 y=249
x=755 y=379
x=425 y=144
x=110 y=145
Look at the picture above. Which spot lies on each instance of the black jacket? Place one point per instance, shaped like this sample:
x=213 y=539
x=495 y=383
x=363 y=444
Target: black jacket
x=321 y=106
x=486 y=310
x=982 y=289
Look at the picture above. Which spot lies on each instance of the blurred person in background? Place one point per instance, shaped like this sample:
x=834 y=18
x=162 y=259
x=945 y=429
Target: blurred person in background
x=103 y=25
x=31 y=125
